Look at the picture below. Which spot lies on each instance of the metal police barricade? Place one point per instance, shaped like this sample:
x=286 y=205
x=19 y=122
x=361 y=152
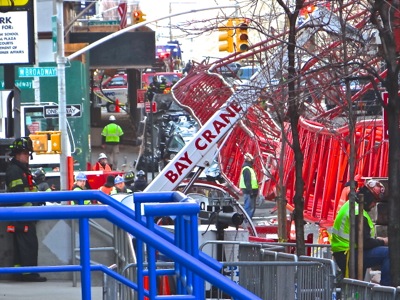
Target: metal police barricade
x=261 y=279
x=356 y=289
x=383 y=292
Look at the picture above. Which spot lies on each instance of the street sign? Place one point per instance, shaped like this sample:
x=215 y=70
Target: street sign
x=25 y=84
x=102 y=23
x=37 y=72
x=51 y=111
x=153 y=107
x=54 y=33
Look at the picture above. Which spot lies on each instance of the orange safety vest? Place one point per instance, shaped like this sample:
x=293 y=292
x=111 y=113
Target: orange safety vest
x=106 y=190
x=99 y=167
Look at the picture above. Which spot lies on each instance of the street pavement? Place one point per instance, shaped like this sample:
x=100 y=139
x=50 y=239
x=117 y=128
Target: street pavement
x=50 y=290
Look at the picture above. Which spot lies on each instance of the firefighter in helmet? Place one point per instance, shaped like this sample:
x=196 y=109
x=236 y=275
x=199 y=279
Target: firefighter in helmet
x=140 y=182
x=19 y=179
x=40 y=180
x=154 y=88
x=129 y=178
x=163 y=85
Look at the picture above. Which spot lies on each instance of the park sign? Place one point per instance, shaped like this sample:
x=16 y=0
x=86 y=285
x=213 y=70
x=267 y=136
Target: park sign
x=16 y=37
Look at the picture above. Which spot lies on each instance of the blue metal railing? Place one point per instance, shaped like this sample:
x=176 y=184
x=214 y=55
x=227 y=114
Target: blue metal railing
x=191 y=265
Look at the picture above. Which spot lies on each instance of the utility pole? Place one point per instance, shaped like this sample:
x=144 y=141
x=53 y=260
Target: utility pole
x=62 y=103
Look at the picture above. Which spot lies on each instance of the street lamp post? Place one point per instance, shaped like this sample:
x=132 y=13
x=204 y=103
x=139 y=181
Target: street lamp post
x=62 y=105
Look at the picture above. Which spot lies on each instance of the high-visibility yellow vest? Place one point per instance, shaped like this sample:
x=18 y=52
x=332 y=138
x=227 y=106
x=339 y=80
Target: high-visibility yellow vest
x=340 y=239
x=85 y=202
x=112 y=132
x=254 y=182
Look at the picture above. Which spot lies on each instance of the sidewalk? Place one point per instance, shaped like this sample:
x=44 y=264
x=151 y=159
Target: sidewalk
x=50 y=290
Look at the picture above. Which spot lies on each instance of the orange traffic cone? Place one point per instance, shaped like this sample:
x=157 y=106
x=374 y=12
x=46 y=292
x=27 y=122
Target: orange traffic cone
x=117 y=108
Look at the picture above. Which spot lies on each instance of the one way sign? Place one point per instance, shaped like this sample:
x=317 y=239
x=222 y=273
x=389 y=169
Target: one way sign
x=51 y=111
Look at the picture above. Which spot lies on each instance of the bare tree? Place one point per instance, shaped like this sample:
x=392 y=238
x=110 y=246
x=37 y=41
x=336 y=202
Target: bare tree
x=385 y=16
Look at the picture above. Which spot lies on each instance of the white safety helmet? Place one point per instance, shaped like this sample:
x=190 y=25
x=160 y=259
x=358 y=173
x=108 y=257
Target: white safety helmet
x=102 y=155
x=111 y=118
x=81 y=176
x=248 y=157
x=118 y=179
x=377 y=188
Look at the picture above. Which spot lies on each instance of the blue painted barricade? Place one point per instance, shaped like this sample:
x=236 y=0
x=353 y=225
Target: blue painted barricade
x=196 y=265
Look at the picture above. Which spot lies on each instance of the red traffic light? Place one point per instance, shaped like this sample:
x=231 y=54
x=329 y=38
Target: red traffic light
x=242 y=37
x=243 y=32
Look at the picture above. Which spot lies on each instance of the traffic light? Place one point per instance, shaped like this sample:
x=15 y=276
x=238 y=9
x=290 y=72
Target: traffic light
x=138 y=16
x=13 y=3
x=242 y=37
x=226 y=37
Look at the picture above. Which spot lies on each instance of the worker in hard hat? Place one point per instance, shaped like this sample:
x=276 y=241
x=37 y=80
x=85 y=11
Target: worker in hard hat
x=375 y=250
x=102 y=163
x=249 y=185
x=18 y=178
x=111 y=138
x=80 y=185
x=120 y=188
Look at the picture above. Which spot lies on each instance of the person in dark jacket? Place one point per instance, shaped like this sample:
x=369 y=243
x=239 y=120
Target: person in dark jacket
x=249 y=185
x=154 y=88
x=140 y=182
x=108 y=187
x=375 y=250
x=19 y=179
x=40 y=180
x=129 y=178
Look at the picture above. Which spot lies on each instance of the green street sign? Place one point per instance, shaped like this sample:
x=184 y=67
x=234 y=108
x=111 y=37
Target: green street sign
x=21 y=84
x=37 y=72
x=54 y=33
x=102 y=23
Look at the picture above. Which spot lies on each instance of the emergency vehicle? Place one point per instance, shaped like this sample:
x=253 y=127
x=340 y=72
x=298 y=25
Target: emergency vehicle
x=116 y=87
